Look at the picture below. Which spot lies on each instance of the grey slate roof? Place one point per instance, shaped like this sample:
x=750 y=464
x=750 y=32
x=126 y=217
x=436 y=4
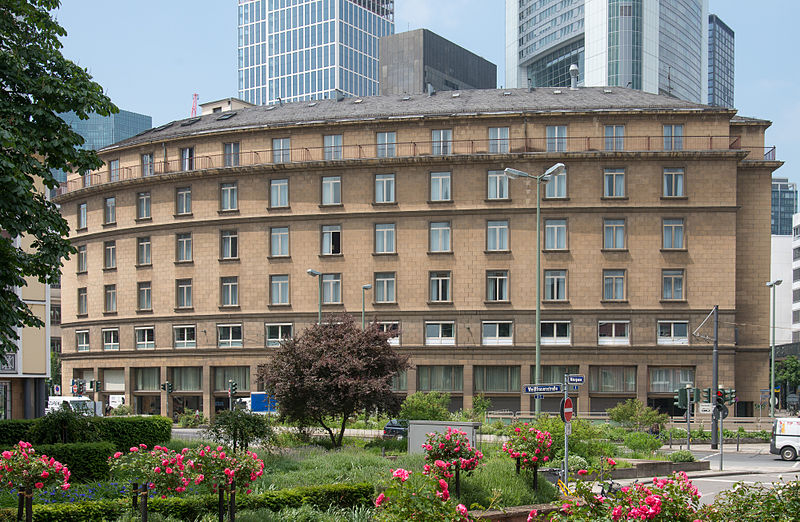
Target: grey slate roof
x=445 y=103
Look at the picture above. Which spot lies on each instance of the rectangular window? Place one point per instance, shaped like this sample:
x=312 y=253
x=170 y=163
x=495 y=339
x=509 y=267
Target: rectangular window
x=228 y=197
x=229 y=335
x=184 y=247
x=387 y=143
x=183 y=297
x=238 y=374
x=111 y=339
x=440 y=378
x=495 y=379
x=113 y=170
x=145 y=338
x=331 y=288
x=556 y=138
x=183 y=201
x=110 y=210
x=613 y=285
x=231 y=154
x=143 y=205
x=393 y=328
x=614 y=234
x=613 y=333
x=185 y=336
x=612 y=379
x=385 y=287
x=555 y=234
x=497 y=236
x=110 y=255
x=673 y=137
x=83 y=307
x=440 y=186
x=147 y=165
x=279 y=193
x=498 y=140
x=331 y=240
x=673 y=233
x=614 y=183
x=110 y=301
x=555 y=285
x=440 y=333
x=384 y=188
x=442 y=142
x=557 y=186
x=82 y=216
x=669 y=379
x=440 y=236
x=277 y=333
x=384 y=238
x=281 y=150
x=81 y=259
x=497 y=285
x=229 y=244
x=146 y=379
x=82 y=340
x=332 y=190
x=440 y=287
x=400 y=379
x=144 y=292
x=672 y=285
x=143 y=256
x=673 y=183
x=673 y=332
x=554 y=373
x=187 y=158
x=279 y=241
x=498 y=185
x=332 y=144
x=229 y=291
x=555 y=332
x=279 y=289
x=496 y=333
x=615 y=137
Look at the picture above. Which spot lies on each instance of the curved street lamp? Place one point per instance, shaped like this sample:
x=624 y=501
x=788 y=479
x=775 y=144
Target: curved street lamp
x=318 y=275
x=773 y=285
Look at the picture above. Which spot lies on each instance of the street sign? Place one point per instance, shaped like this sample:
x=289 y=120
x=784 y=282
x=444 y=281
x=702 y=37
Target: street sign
x=706 y=407
x=576 y=379
x=574 y=387
x=568 y=428
x=542 y=388
x=566 y=410
x=57 y=389
x=792 y=398
x=538 y=396
x=721 y=411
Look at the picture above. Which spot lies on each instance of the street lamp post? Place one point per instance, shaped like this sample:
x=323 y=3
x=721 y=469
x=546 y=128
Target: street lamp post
x=364 y=289
x=318 y=275
x=555 y=170
x=773 y=286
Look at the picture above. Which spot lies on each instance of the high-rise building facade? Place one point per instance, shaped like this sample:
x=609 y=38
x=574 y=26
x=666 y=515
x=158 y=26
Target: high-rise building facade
x=720 y=63
x=784 y=206
x=657 y=47
x=291 y=50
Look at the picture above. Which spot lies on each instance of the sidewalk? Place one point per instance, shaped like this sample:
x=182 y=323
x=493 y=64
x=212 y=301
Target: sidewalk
x=760 y=448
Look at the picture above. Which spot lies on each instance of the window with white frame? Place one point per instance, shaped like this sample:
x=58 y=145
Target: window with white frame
x=495 y=379
x=187 y=158
x=673 y=332
x=277 y=333
x=331 y=240
x=612 y=379
x=614 y=137
x=229 y=291
x=147 y=165
x=673 y=137
x=230 y=151
x=556 y=138
x=110 y=254
x=440 y=236
x=498 y=140
x=82 y=340
x=332 y=144
x=111 y=339
x=229 y=335
x=673 y=183
x=440 y=287
x=385 y=283
x=143 y=257
x=497 y=236
x=281 y=150
x=391 y=327
x=613 y=285
x=82 y=302
x=183 y=200
x=614 y=183
x=555 y=285
x=440 y=186
x=555 y=332
x=110 y=301
x=185 y=336
x=279 y=241
x=440 y=333
x=555 y=234
x=183 y=245
x=81 y=259
x=498 y=185
x=496 y=333
x=384 y=238
x=442 y=142
x=673 y=233
x=668 y=379
x=145 y=337
x=110 y=210
x=331 y=190
x=278 y=193
x=229 y=244
x=672 y=285
x=143 y=205
x=387 y=143
x=614 y=234
x=556 y=187
x=144 y=291
x=183 y=288
x=228 y=197
x=331 y=288
x=384 y=188
x=113 y=170
x=279 y=289
x=497 y=285
x=613 y=332
x=82 y=216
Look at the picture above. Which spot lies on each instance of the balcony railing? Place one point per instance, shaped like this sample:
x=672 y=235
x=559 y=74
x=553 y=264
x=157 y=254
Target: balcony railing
x=418 y=149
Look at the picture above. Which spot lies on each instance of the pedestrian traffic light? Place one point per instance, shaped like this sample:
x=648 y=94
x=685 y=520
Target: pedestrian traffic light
x=232 y=387
x=696 y=395
x=81 y=387
x=169 y=387
x=730 y=396
x=720 y=397
x=163 y=386
x=681 y=399
x=707 y=395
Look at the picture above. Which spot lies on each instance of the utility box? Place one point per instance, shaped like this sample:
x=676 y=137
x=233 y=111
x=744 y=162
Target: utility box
x=418 y=432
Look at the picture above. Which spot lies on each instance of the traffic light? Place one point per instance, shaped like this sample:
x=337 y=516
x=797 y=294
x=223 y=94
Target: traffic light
x=720 y=398
x=98 y=386
x=681 y=399
x=163 y=386
x=707 y=395
x=696 y=398
x=81 y=387
x=232 y=387
x=169 y=387
x=730 y=396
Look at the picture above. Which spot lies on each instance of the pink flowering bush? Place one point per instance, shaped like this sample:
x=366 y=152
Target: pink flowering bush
x=446 y=451
x=215 y=468
x=418 y=496
x=22 y=469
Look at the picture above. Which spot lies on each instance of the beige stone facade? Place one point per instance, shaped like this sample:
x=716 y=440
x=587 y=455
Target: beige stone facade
x=619 y=299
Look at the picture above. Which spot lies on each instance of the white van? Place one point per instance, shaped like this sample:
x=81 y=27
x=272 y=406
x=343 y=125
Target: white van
x=80 y=404
x=785 y=438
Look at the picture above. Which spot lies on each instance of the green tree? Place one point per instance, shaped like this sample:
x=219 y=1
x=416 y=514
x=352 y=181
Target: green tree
x=635 y=415
x=239 y=429
x=426 y=406
x=788 y=370
x=36 y=83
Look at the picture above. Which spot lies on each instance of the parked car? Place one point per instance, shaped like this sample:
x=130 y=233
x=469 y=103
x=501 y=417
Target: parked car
x=785 y=438
x=396 y=429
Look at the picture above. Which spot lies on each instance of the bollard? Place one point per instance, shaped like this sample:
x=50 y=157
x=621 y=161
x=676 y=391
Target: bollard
x=143 y=503
x=29 y=505
x=738 y=435
x=135 y=495
x=670 y=440
x=221 y=506
x=519 y=460
x=232 y=502
x=21 y=505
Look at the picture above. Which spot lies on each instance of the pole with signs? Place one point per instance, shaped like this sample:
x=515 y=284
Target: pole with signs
x=689 y=397
x=567 y=410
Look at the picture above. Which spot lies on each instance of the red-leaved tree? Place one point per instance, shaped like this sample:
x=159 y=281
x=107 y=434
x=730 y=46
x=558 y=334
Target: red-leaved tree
x=333 y=370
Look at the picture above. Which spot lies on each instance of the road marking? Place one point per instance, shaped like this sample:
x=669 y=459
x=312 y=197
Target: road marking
x=704 y=458
x=796 y=464
x=724 y=480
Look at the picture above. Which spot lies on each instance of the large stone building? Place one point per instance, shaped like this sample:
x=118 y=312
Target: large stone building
x=194 y=242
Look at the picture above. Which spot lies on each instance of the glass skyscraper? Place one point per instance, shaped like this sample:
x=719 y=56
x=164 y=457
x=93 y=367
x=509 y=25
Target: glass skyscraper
x=307 y=49
x=784 y=206
x=720 y=63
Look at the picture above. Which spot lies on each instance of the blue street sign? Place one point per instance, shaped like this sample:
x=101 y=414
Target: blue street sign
x=537 y=396
x=542 y=388
x=575 y=379
x=574 y=387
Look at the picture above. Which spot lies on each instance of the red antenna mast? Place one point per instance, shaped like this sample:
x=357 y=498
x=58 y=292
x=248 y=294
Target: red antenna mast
x=194 y=105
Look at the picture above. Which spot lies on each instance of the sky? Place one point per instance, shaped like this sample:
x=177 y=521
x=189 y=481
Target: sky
x=151 y=56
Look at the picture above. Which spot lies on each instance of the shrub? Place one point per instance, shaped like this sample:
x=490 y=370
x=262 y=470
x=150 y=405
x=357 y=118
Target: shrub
x=426 y=406
x=530 y=446
x=756 y=502
x=238 y=429
x=448 y=451
x=682 y=456
x=121 y=411
x=125 y=432
x=414 y=496
x=576 y=462
x=191 y=419
x=642 y=442
x=13 y=431
x=585 y=439
x=635 y=415
x=87 y=461
x=62 y=426
x=394 y=445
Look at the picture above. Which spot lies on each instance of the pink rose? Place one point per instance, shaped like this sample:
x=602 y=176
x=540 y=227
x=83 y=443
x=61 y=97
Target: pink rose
x=39 y=485
x=461 y=508
x=117 y=454
x=157 y=469
x=134 y=449
x=401 y=474
x=532 y=514
x=45 y=474
x=611 y=462
x=582 y=472
x=379 y=500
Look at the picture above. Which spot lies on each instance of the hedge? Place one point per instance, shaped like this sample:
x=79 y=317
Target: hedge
x=193 y=507
x=13 y=431
x=122 y=432
x=87 y=461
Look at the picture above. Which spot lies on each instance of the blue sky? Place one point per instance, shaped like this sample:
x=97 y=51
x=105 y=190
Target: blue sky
x=152 y=55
